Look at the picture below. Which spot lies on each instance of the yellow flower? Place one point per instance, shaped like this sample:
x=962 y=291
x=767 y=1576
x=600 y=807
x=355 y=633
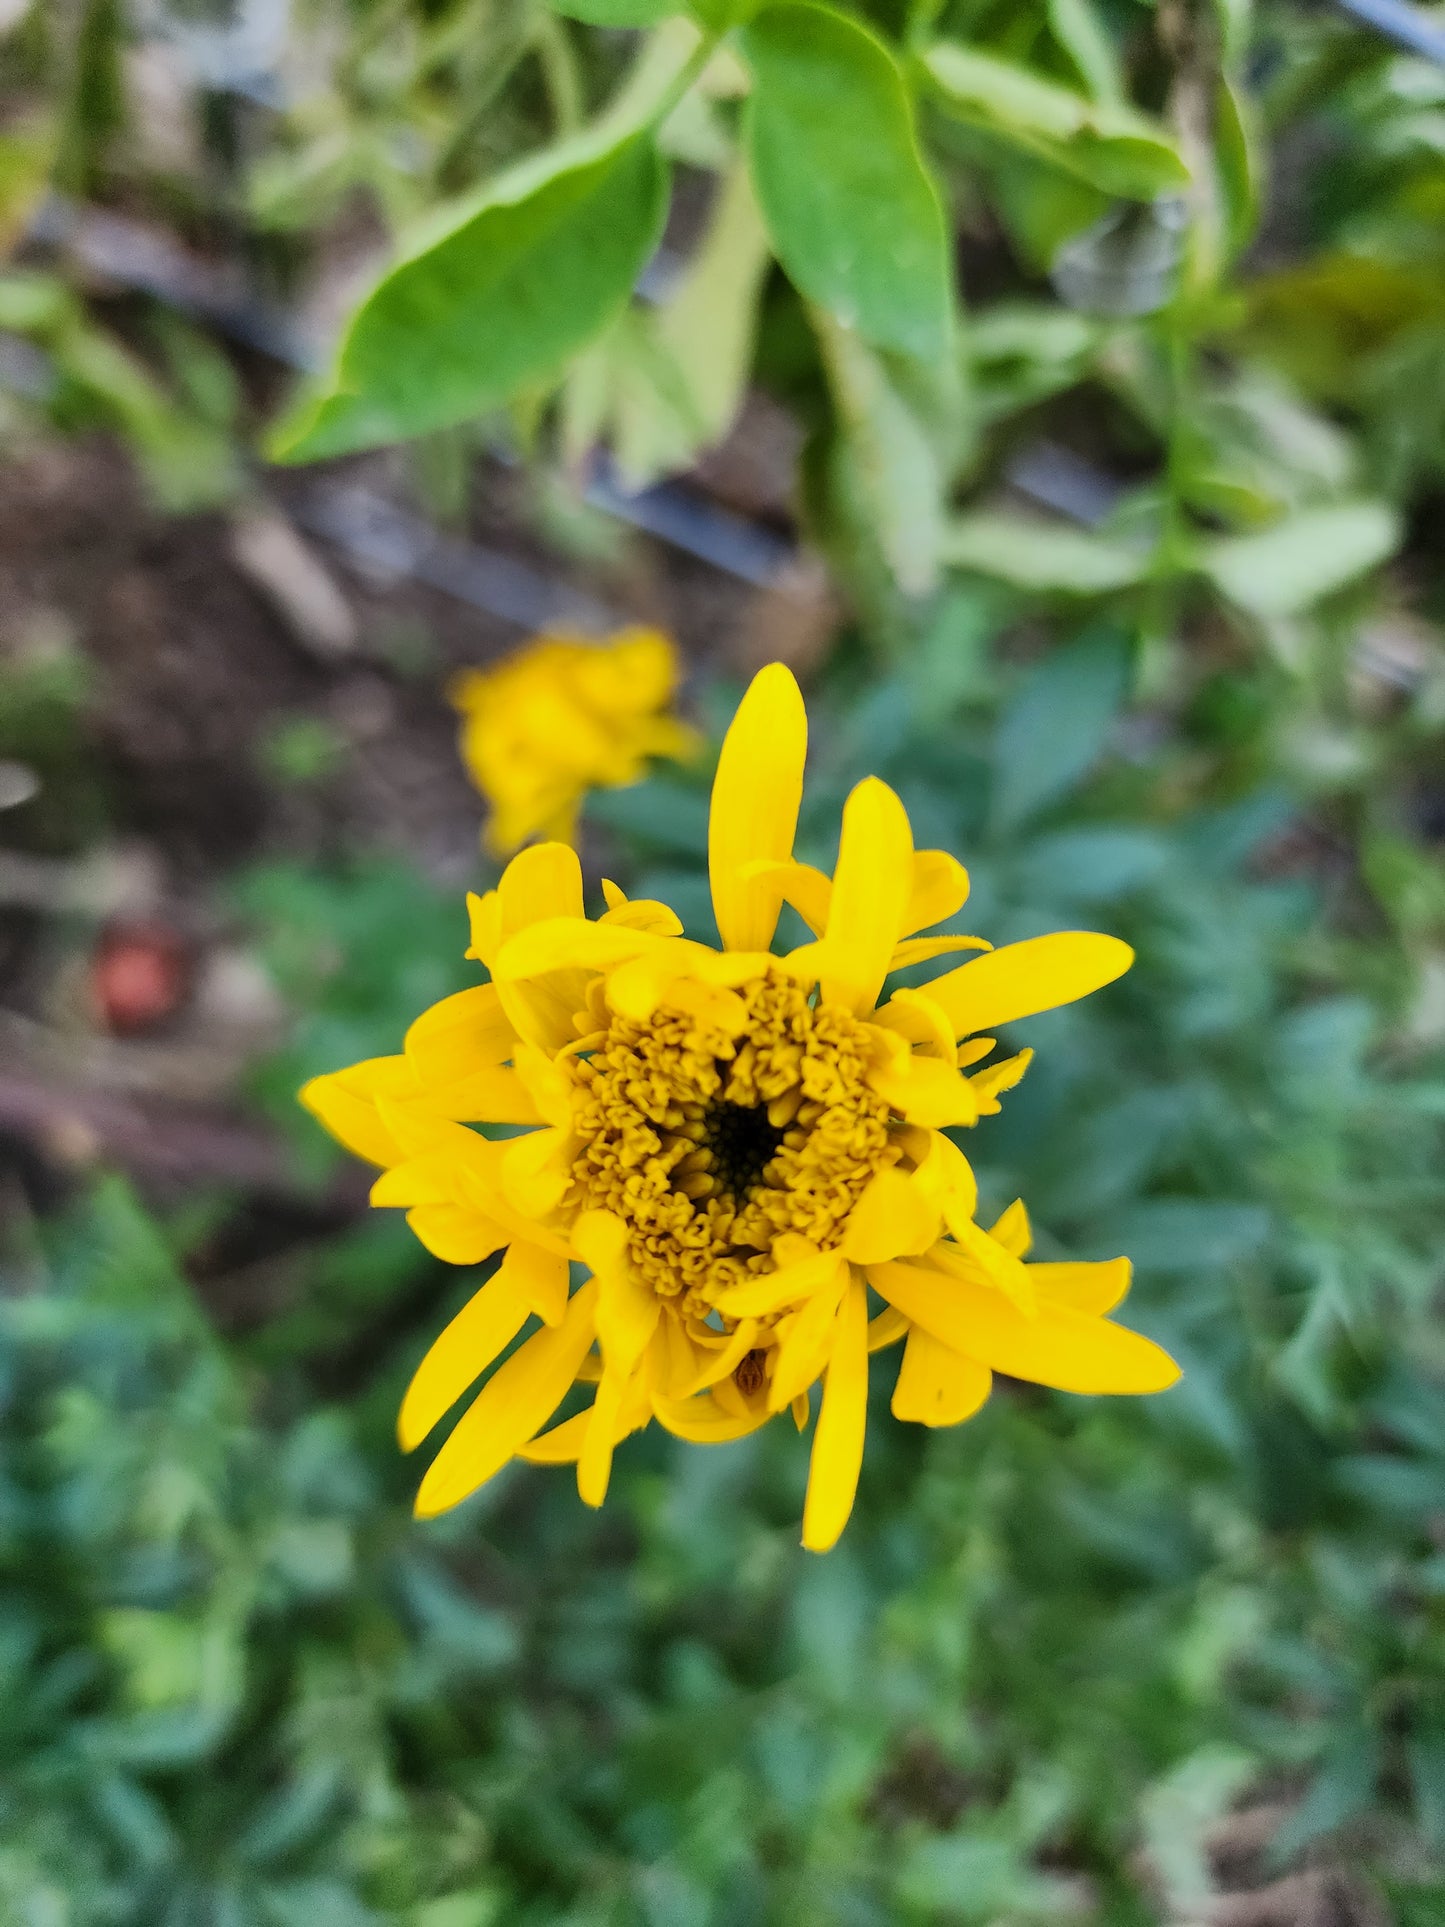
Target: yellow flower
x=738 y=1147
x=563 y=716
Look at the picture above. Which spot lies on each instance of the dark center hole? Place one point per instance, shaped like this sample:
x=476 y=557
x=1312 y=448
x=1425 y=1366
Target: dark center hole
x=742 y=1143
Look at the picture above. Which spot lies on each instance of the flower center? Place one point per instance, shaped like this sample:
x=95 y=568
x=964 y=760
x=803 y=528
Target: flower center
x=741 y=1143
x=714 y=1130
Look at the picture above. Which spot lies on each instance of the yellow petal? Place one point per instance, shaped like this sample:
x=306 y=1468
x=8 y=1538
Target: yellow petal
x=547 y=1085
x=645 y=913
x=837 y=1456
x=937 y=1386
x=1095 y=1288
x=1024 y=978
x=479 y=1182
x=1014 y=1232
x=974 y=1255
x=755 y=799
x=627 y=1309
x=806 y=888
x=416 y=1129
x=703 y=1421
x=894 y=1217
x=513 y=1405
x=542 y=882
x=939 y=889
x=455 y=1233
x=724 y=1362
x=465 y=1033
x=544 y=1009
x=485 y=914
x=1070 y=1350
x=711 y=1006
x=988 y=1086
x=946 y=1176
x=674 y=1360
x=627 y=1315
x=541 y=885
x=886 y=1329
x=916 y=950
x=567 y=943
x=635 y=988
x=594 y=1462
x=483 y=1328
x=543 y=1277
x=561 y=1446
x=535 y=1172
x=432 y=1178
x=925 y=1090
x=783 y=1287
x=345 y=1103
x=913 y=1015
x=495 y=1096
x=806 y=1341
x=870 y=893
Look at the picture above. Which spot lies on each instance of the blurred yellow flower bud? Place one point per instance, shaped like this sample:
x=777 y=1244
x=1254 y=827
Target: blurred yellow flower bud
x=562 y=716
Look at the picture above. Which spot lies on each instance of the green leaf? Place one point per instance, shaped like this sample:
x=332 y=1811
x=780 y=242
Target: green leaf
x=891 y=472
x=616 y=13
x=1106 y=143
x=1082 y=35
x=1092 y=863
x=854 y=216
x=1426 y=1753
x=1302 y=559
x=1056 y=727
x=1236 y=165
x=666 y=384
x=1040 y=555
x=1183 y=1234
x=1342 y=1788
x=495 y=299
x=708 y=324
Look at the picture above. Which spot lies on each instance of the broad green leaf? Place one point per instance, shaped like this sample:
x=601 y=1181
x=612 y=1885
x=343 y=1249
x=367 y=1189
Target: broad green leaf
x=1236 y=20
x=1236 y=166
x=1184 y=1234
x=27 y=156
x=1092 y=863
x=1106 y=143
x=892 y=470
x=1040 y=555
x=1021 y=352
x=1426 y=1754
x=709 y=323
x=1083 y=37
x=853 y=214
x=1341 y=1788
x=616 y=13
x=1303 y=558
x=666 y=384
x=1057 y=726
x=495 y=299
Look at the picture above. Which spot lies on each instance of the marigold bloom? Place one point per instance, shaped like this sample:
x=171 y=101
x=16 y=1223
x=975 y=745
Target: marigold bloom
x=563 y=716
x=738 y=1146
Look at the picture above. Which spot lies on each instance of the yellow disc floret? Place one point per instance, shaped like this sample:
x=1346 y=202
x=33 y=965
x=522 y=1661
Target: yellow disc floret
x=709 y=1142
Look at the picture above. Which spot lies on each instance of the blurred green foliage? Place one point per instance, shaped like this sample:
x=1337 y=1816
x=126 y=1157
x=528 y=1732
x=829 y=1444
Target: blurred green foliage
x=1192 y=691
x=244 y=1688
